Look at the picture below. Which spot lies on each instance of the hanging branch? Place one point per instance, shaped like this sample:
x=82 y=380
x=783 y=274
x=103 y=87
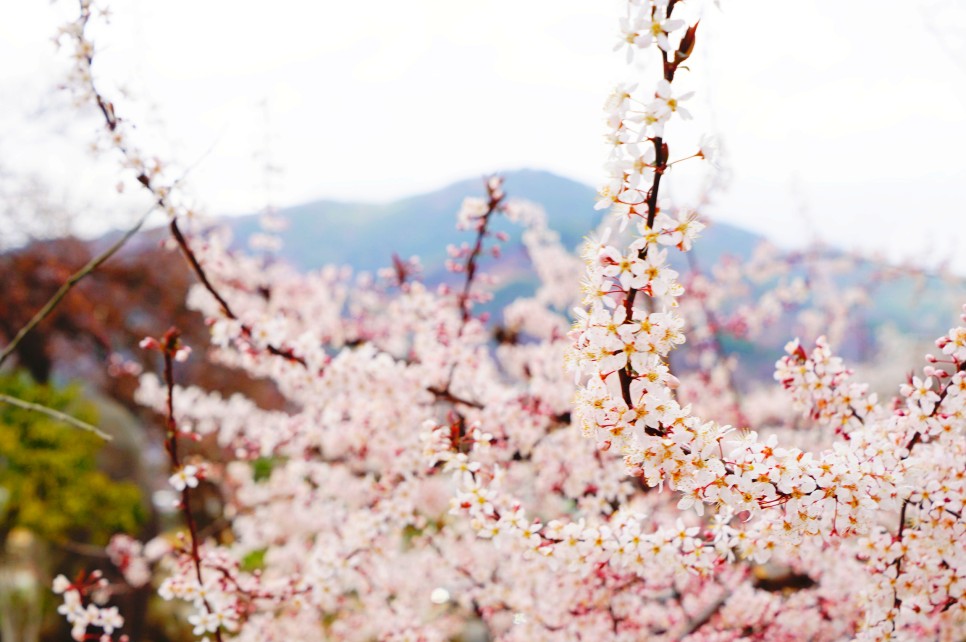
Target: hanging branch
x=84 y=57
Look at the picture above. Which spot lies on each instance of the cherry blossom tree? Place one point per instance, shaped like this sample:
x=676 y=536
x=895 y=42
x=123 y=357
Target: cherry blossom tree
x=569 y=481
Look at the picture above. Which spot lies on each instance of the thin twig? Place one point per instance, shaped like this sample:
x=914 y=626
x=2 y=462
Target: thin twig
x=495 y=197
x=73 y=280
x=494 y=202
x=56 y=414
x=445 y=395
x=87 y=550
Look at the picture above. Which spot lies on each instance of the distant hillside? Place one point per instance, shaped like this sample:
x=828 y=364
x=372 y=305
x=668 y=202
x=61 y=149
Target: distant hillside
x=366 y=235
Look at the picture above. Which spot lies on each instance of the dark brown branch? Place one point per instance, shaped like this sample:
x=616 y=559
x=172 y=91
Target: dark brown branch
x=202 y=276
x=446 y=395
x=494 y=200
x=170 y=344
x=661 y=155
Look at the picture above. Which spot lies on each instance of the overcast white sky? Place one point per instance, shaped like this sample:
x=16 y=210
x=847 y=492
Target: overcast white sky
x=851 y=115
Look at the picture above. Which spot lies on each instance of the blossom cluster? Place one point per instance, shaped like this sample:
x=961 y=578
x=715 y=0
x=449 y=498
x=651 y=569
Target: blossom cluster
x=82 y=616
x=627 y=398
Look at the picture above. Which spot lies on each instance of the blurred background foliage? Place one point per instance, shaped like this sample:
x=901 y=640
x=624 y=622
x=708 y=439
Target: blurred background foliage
x=57 y=503
x=50 y=482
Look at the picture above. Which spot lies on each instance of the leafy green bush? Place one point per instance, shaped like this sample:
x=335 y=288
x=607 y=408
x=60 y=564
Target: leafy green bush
x=50 y=483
